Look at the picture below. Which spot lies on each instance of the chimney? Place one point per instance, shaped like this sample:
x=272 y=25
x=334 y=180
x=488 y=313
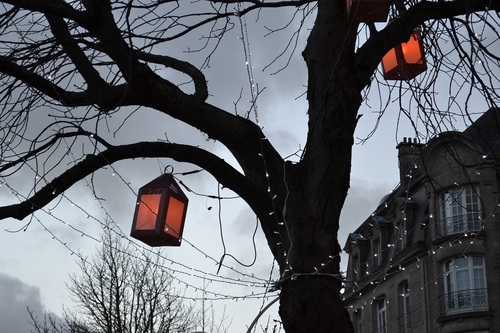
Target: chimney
x=409 y=159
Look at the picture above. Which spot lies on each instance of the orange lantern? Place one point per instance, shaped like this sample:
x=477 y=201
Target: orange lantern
x=368 y=10
x=405 y=61
x=160 y=212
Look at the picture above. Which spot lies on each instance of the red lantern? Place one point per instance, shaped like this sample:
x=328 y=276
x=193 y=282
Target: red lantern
x=405 y=61
x=368 y=10
x=160 y=212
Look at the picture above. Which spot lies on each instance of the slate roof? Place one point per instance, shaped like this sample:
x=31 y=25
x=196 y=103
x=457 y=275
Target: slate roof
x=486 y=131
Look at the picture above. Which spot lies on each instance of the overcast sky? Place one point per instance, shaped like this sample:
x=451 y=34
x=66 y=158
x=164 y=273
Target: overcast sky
x=34 y=264
x=40 y=262
x=15 y=297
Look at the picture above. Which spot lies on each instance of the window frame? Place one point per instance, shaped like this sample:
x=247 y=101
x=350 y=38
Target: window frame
x=401 y=234
x=465 y=284
x=357 y=321
x=355 y=268
x=381 y=315
x=460 y=210
x=404 y=320
x=377 y=253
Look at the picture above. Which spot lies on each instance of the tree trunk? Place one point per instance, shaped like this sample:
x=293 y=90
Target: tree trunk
x=310 y=298
x=310 y=292
x=317 y=186
x=311 y=304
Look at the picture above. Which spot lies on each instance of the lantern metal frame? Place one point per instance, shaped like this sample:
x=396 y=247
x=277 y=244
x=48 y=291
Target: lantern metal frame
x=406 y=60
x=160 y=212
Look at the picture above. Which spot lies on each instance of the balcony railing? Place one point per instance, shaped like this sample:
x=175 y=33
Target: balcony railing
x=382 y=329
x=460 y=224
x=404 y=323
x=464 y=301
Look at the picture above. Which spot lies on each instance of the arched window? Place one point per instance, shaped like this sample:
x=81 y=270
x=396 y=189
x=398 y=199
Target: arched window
x=465 y=284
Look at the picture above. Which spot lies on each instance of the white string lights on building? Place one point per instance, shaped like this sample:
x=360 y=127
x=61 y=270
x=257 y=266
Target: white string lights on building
x=463 y=240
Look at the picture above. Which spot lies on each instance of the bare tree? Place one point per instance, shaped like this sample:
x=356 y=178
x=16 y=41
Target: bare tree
x=89 y=59
x=50 y=323
x=121 y=290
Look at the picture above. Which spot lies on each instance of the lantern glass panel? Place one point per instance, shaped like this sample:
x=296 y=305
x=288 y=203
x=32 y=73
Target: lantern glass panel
x=411 y=51
x=390 y=61
x=175 y=215
x=406 y=60
x=148 y=212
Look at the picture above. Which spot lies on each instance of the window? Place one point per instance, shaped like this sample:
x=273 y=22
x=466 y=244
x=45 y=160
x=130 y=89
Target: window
x=401 y=234
x=355 y=268
x=460 y=210
x=465 y=284
x=381 y=311
x=357 y=322
x=377 y=253
x=404 y=325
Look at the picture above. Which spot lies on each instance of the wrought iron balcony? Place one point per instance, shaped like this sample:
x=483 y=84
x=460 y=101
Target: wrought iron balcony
x=460 y=224
x=382 y=329
x=464 y=301
x=404 y=323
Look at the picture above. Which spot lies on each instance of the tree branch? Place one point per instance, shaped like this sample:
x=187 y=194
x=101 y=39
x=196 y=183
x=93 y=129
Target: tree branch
x=60 y=31
x=216 y=166
x=256 y=6
x=398 y=31
x=200 y=83
x=43 y=85
x=111 y=97
x=41 y=149
x=54 y=7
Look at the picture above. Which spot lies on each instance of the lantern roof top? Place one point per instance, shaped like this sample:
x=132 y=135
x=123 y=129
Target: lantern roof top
x=166 y=180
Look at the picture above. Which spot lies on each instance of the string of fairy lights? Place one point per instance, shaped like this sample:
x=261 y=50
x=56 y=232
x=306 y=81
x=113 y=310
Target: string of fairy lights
x=175 y=268
x=263 y=283
x=245 y=280
x=260 y=286
x=253 y=281
x=253 y=87
x=367 y=289
x=419 y=261
x=254 y=93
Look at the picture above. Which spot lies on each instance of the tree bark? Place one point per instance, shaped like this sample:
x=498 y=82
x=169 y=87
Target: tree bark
x=310 y=290
x=312 y=304
x=318 y=185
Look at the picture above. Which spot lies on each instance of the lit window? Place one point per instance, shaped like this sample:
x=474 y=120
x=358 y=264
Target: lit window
x=465 y=284
x=460 y=210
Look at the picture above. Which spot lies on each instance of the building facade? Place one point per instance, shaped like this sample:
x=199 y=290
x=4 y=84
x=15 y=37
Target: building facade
x=428 y=258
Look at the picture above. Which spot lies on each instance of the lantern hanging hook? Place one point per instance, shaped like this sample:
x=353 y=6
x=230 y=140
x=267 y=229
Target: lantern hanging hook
x=169 y=169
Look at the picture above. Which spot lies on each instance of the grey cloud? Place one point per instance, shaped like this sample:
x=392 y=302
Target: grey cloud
x=15 y=297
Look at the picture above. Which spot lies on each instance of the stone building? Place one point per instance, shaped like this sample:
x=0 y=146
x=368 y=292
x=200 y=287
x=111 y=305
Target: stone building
x=428 y=258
